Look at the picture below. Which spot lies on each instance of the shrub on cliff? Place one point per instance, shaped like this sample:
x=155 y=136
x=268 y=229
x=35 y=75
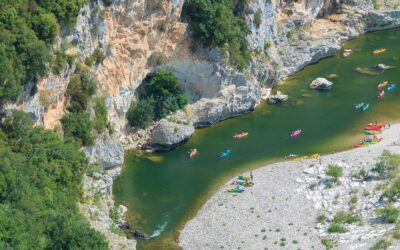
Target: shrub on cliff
x=80 y=88
x=161 y=95
x=100 y=110
x=40 y=182
x=219 y=24
x=78 y=126
x=141 y=114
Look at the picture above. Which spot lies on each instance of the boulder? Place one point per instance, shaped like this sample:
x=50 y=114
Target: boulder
x=279 y=97
x=321 y=83
x=382 y=67
x=108 y=153
x=167 y=135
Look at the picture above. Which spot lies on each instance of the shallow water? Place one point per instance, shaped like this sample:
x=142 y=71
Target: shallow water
x=163 y=190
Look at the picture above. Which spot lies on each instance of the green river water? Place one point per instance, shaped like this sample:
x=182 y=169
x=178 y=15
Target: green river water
x=163 y=190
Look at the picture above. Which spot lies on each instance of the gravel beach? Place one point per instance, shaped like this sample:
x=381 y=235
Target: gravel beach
x=281 y=210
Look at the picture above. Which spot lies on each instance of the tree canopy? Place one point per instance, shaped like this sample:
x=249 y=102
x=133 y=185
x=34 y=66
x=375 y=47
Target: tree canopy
x=219 y=24
x=40 y=180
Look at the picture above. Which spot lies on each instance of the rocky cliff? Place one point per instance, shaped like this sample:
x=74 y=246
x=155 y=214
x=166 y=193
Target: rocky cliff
x=140 y=36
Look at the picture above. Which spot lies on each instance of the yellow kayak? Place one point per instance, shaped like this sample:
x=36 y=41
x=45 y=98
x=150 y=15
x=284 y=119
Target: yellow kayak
x=378 y=51
x=314 y=156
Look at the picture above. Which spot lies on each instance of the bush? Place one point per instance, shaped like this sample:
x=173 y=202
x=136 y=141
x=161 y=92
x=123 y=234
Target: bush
x=393 y=192
x=337 y=228
x=141 y=114
x=349 y=218
x=258 y=18
x=164 y=88
x=78 y=126
x=387 y=165
x=218 y=23
x=98 y=57
x=59 y=62
x=329 y=243
x=335 y=171
x=389 y=214
x=100 y=110
x=80 y=88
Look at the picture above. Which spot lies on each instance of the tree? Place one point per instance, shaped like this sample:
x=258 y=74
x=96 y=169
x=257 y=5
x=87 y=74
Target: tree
x=79 y=126
x=141 y=114
x=100 y=118
x=164 y=88
x=46 y=27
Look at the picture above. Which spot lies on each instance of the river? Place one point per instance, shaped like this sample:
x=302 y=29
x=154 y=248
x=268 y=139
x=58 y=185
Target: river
x=163 y=190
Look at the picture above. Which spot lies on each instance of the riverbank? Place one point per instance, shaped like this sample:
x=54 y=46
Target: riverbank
x=282 y=208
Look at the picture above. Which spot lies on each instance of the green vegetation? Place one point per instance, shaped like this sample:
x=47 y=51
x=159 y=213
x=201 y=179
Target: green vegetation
x=258 y=18
x=219 y=24
x=141 y=114
x=329 y=243
x=337 y=228
x=28 y=29
x=387 y=165
x=389 y=214
x=161 y=96
x=382 y=244
x=40 y=182
x=321 y=219
x=78 y=126
x=97 y=57
x=100 y=111
x=349 y=218
x=80 y=88
x=335 y=171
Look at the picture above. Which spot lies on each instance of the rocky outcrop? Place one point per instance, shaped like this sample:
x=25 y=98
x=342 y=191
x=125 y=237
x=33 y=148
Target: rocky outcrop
x=107 y=153
x=279 y=97
x=167 y=135
x=321 y=84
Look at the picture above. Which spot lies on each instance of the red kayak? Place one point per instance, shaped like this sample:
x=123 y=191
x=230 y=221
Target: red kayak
x=295 y=133
x=373 y=128
x=380 y=95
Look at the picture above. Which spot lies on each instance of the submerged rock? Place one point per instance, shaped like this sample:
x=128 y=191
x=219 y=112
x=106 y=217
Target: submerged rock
x=383 y=67
x=168 y=135
x=321 y=83
x=367 y=71
x=279 y=97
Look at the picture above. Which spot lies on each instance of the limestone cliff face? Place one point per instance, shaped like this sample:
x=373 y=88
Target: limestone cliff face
x=141 y=36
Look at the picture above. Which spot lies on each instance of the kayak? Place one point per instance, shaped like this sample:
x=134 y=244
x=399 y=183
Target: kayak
x=314 y=156
x=292 y=155
x=373 y=128
x=359 y=105
x=382 y=84
x=391 y=87
x=235 y=190
x=360 y=145
x=380 y=95
x=244 y=178
x=376 y=125
x=368 y=132
x=241 y=135
x=298 y=159
x=365 y=107
x=378 y=51
x=225 y=154
x=295 y=133
x=193 y=153
x=248 y=184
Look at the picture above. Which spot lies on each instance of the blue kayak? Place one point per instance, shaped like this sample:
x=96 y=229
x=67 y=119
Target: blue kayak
x=225 y=154
x=391 y=87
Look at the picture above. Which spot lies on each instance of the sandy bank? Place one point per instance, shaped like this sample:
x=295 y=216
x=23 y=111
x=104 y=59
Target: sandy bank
x=280 y=211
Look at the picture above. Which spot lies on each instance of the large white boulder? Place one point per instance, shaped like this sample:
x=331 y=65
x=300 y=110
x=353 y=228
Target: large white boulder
x=321 y=83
